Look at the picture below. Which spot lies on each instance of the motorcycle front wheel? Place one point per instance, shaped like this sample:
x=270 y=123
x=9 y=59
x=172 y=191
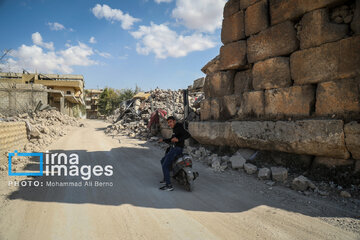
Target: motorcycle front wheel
x=189 y=185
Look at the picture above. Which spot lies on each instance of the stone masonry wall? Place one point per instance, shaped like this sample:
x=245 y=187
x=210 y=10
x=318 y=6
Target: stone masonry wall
x=13 y=136
x=287 y=78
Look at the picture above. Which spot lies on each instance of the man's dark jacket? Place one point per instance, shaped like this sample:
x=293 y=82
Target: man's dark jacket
x=180 y=133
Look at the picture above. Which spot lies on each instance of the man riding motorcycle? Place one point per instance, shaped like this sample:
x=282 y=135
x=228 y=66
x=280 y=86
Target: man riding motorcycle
x=178 y=138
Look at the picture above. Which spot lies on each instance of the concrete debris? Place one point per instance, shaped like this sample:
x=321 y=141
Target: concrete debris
x=264 y=173
x=215 y=162
x=237 y=161
x=302 y=183
x=43 y=127
x=136 y=117
x=279 y=174
x=250 y=168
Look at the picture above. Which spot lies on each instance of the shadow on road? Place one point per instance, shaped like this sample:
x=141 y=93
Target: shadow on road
x=136 y=180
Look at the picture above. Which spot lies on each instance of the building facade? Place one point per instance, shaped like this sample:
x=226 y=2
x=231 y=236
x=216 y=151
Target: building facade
x=92 y=97
x=65 y=92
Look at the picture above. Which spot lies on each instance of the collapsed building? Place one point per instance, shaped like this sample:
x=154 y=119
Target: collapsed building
x=144 y=116
x=21 y=92
x=287 y=79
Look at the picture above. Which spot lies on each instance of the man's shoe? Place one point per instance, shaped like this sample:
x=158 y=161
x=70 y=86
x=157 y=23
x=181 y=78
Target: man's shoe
x=167 y=188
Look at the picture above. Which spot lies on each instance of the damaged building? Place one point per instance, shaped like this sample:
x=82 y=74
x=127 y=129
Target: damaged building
x=92 y=97
x=20 y=92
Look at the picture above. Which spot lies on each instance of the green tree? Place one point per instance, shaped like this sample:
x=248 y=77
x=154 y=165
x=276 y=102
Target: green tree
x=110 y=99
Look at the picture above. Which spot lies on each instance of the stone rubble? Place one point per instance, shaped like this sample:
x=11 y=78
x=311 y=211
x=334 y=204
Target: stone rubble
x=250 y=168
x=237 y=161
x=264 y=174
x=42 y=129
x=279 y=174
x=302 y=183
x=135 y=120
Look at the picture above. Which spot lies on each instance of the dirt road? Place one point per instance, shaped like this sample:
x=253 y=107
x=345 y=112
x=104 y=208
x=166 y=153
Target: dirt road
x=223 y=206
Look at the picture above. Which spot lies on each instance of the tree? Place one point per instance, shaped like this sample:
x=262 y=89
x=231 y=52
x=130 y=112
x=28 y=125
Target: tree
x=110 y=99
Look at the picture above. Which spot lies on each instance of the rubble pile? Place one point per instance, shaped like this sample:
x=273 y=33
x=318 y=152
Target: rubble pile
x=43 y=127
x=246 y=160
x=133 y=117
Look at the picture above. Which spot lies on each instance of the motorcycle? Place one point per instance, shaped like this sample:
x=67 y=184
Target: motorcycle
x=181 y=171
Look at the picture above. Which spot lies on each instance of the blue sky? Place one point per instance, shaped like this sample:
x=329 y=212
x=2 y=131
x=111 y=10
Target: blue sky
x=151 y=43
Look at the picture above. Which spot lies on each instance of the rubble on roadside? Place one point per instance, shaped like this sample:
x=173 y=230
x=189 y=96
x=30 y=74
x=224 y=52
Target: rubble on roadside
x=43 y=128
x=243 y=160
x=132 y=118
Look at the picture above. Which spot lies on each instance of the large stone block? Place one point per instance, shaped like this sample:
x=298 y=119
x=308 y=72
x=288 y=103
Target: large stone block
x=243 y=82
x=198 y=83
x=272 y=73
x=246 y=3
x=283 y=10
x=233 y=28
x=233 y=55
x=340 y=97
x=297 y=101
x=205 y=109
x=231 y=7
x=231 y=104
x=317 y=29
x=355 y=24
x=252 y=105
x=256 y=18
x=352 y=139
x=219 y=84
x=212 y=66
x=275 y=41
x=312 y=137
x=328 y=62
x=212 y=133
x=216 y=108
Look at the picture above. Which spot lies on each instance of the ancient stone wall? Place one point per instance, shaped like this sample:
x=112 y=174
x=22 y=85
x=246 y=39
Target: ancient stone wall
x=287 y=78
